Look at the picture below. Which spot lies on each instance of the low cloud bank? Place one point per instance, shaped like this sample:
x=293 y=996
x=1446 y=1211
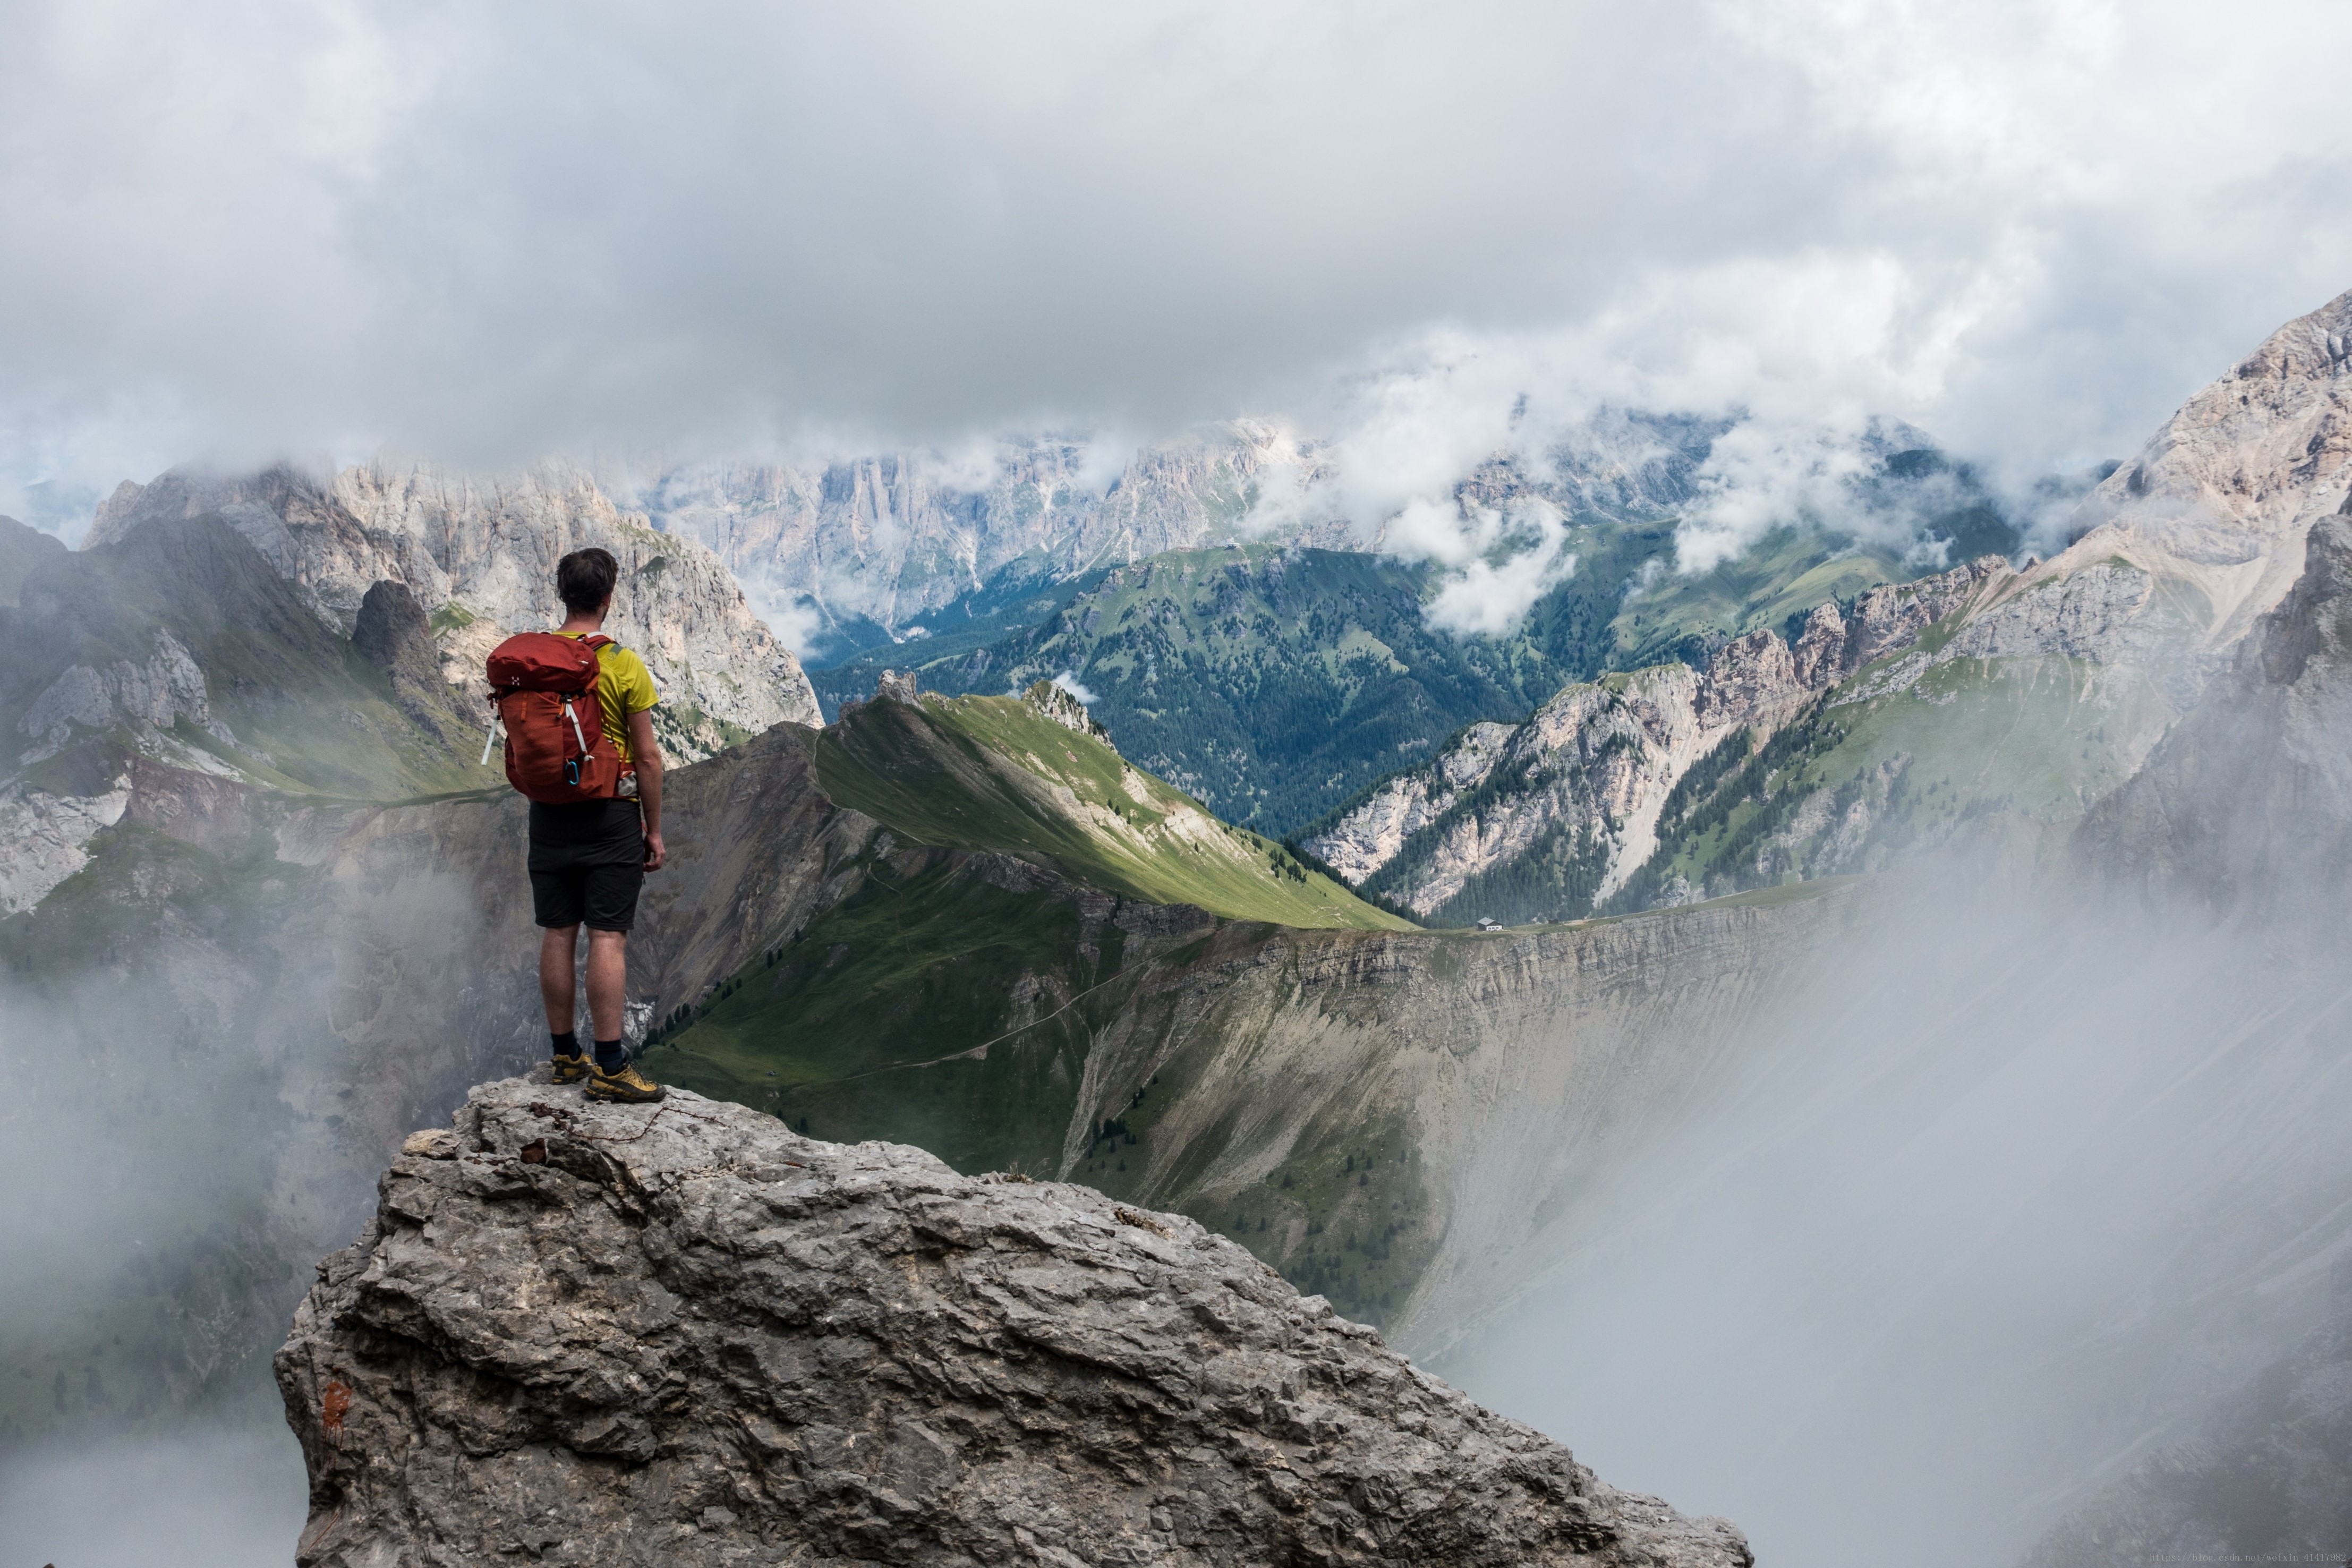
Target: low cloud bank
x=2018 y=1188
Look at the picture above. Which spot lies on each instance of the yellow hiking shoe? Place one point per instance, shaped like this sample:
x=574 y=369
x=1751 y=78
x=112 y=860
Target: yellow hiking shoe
x=627 y=1084
x=571 y=1068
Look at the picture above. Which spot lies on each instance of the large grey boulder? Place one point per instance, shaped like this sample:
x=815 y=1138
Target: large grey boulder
x=681 y=1334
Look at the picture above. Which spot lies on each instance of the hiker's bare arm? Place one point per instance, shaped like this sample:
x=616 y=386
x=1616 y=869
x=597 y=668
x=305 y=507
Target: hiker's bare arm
x=648 y=752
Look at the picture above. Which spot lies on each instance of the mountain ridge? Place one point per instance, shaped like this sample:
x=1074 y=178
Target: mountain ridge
x=1549 y=818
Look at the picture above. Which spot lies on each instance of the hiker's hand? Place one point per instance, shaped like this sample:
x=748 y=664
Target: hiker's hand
x=654 y=852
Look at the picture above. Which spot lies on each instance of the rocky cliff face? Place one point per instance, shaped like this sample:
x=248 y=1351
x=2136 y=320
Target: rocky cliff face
x=479 y=558
x=682 y=1335
x=2225 y=492
x=1561 y=809
x=1056 y=703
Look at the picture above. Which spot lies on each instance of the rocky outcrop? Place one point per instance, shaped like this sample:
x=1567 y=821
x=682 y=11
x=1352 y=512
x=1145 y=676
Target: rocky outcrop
x=1580 y=784
x=682 y=1335
x=478 y=556
x=152 y=694
x=1372 y=832
x=48 y=834
x=392 y=634
x=1056 y=702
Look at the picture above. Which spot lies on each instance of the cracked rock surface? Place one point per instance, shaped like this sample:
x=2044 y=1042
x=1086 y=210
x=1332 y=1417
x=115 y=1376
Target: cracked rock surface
x=578 y=1333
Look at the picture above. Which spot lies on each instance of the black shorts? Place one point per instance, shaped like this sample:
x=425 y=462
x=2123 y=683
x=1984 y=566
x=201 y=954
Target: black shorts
x=587 y=862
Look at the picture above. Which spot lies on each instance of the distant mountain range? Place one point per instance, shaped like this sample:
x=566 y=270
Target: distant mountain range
x=887 y=546
x=1276 y=681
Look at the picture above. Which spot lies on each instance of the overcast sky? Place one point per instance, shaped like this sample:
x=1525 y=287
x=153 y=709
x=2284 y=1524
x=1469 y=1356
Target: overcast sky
x=482 y=234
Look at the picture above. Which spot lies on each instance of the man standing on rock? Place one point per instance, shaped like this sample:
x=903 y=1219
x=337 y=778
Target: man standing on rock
x=589 y=858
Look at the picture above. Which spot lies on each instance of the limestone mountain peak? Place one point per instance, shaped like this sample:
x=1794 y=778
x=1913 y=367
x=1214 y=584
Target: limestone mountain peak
x=2223 y=494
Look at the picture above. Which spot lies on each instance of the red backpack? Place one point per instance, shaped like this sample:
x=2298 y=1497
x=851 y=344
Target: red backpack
x=545 y=689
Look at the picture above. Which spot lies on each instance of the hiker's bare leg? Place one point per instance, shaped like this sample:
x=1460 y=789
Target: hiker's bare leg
x=608 y=981
x=557 y=980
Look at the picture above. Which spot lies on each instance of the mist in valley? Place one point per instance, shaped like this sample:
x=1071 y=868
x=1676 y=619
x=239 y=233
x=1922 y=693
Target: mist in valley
x=2018 y=1186
x=200 y=1102
x=213 y=1494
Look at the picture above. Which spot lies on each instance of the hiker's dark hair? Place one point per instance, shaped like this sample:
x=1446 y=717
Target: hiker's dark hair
x=584 y=579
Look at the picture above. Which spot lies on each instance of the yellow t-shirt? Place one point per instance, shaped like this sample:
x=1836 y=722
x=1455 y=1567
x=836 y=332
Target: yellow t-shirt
x=623 y=686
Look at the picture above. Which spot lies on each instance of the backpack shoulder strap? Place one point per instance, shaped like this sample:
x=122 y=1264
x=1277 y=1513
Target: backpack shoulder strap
x=598 y=641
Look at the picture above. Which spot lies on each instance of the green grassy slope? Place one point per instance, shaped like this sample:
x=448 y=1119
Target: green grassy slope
x=995 y=773
x=931 y=1008
x=1788 y=572
x=954 y=1000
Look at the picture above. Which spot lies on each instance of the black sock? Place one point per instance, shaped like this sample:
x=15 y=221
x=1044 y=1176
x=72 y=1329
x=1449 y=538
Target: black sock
x=610 y=1055
x=567 y=1044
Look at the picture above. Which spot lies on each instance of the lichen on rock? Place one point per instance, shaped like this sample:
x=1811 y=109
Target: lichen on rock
x=682 y=1335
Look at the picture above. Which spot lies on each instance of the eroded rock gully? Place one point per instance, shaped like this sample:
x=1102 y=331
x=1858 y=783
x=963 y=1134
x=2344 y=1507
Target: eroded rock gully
x=682 y=1335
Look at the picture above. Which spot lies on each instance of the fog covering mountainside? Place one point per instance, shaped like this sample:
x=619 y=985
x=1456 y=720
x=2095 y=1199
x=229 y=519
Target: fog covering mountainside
x=2011 y=708
x=2245 y=809
x=2031 y=1186
x=323 y=974
x=220 y=947
x=176 y=653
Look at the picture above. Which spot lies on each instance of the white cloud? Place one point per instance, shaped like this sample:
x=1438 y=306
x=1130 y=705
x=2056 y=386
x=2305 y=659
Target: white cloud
x=2030 y=226
x=1101 y=459
x=792 y=614
x=972 y=463
x=1076 y=688
x=1488 y=598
